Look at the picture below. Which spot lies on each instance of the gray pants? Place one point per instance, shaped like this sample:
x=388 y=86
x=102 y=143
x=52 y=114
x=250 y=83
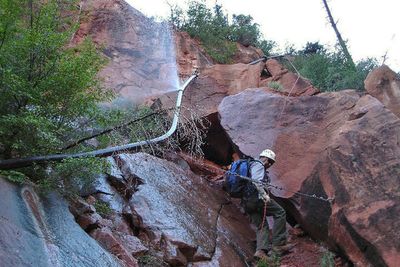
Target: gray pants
x=254 y=207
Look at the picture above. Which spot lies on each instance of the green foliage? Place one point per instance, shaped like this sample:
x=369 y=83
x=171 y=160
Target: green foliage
x=327 y=259
x=221 y=51
x=175 y=16
x=150 y=260
x=76 y=173
x=212 y=28
x=47 y=89
x=267 y=46
x=262 y=263
x=273 y=261
x=14 y=176
x=329 y=71
x=244 y=31
x=312 y=48
x=102 y=208
x=275 y=85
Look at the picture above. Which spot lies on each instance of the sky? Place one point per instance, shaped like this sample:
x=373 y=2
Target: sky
x=371 y=27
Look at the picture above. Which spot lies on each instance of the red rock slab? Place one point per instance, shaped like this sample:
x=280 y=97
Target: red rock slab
x=384 y=84
x=343 y=145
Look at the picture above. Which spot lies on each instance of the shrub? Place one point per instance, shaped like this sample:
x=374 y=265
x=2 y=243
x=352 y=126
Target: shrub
x=267 y=46
x=275 y=85
x=212 y=28
x=14 y=176
x=45 y=87
x=102 y=208
x=329 y=71
x=244 y=31
x=273 y=261
x=327 y=259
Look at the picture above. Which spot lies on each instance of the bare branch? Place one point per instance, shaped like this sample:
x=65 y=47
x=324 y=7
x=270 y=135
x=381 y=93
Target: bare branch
x=110 y=130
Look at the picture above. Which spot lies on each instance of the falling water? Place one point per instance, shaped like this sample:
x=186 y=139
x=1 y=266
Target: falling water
x=142 y=58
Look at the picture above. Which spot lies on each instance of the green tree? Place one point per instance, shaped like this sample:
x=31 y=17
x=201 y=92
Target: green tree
x=267 y=46
x=312 y=48
x=46 y=87
x=175 y=16
x=211 y=27
x=244 y=30
x=217 y=34
x=330 y=71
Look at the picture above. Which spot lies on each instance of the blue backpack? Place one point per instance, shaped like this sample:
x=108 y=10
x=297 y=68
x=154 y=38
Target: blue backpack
x=234 y=184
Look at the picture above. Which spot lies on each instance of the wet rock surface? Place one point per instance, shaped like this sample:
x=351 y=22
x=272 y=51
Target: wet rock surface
x=107 y=239
x=342 y=145
x=190 y=55
x=173 y=218
x=41 y=232
x=180 y=214
x=141 y=52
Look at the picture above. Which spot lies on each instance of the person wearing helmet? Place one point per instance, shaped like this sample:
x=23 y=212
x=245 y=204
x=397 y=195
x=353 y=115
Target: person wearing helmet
x=255 y=199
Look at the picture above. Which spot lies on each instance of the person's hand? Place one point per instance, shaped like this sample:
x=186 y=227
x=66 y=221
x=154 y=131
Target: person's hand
x=264 y=197
x=262 y=194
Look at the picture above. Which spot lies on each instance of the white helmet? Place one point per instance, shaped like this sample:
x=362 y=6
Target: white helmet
x=268 y=153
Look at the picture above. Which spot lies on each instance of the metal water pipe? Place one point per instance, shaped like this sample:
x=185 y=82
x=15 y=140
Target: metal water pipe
x=24 y=162
x=265 y=58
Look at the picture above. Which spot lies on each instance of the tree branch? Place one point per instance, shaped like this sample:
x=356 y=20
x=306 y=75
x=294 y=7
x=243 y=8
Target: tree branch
x=110 y=130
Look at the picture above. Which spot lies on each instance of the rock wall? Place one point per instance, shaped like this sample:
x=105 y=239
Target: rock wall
x=163 y=210
x=141 y=52
x=146 y=58
x=342 y=145
x=38 y=231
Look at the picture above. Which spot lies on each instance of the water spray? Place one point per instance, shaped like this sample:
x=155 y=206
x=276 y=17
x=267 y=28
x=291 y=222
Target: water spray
x=24 y=162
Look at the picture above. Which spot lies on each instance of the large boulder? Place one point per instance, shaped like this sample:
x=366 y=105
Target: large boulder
x=246 y=54
x=384 y=84
x=289 y=83
x=40 y=231
x=341 y=145
x=180 y=214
